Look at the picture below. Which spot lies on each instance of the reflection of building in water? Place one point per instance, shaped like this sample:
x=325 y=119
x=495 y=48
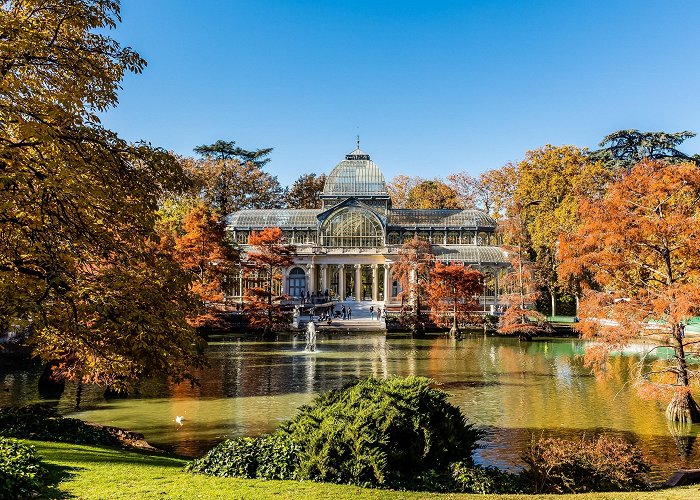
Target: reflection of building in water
x=348 y=246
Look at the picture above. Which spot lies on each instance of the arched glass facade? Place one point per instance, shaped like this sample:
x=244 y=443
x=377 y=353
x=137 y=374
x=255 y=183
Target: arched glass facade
x=354 y=228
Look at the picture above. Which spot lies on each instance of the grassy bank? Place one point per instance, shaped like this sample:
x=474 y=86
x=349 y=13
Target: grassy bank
x=98 y=472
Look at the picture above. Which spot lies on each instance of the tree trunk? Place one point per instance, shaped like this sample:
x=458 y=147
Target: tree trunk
x=683 y=407
x=554 y=302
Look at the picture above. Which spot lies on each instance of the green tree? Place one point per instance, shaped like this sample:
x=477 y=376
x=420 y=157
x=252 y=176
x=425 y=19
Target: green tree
x=433 y=194
x=227 y=150
x=623 y=149
x=78 y=253
x=306 y=191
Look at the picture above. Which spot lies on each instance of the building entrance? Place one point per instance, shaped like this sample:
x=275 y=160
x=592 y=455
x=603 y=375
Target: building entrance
x=366 y=282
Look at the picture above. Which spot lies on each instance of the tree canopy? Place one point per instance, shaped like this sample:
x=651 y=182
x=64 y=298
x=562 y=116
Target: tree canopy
x=79 y=261
x=625 y=148
x=550 y=181
x=306 y=191
x=231 y=182
x=227 y=150
x=433 y=194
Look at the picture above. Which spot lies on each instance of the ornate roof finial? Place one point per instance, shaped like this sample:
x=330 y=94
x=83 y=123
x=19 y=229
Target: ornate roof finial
x=358 y=141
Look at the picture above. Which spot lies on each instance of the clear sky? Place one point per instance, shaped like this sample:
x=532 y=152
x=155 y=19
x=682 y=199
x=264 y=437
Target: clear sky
x=432 y=87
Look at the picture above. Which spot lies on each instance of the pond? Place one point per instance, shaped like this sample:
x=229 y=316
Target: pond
x=512 y=390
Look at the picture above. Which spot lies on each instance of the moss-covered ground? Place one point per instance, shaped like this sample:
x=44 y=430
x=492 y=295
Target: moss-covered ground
x=89 y=472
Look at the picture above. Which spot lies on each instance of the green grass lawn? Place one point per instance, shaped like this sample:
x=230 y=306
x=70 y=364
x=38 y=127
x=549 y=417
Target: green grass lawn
x=98 y=472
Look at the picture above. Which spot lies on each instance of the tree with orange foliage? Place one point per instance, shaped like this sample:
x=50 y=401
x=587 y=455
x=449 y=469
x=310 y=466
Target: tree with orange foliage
x=640 y=242
x=203 y=252
x=522 y=281
x=412 y=271
x=455 y=289
x=267 y=255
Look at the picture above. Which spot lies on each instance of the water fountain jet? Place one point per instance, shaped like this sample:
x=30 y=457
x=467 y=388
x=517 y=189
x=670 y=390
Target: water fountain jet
x=310 y=337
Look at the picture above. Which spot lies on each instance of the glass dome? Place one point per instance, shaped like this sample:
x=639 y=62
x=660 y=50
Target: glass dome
x=356 y=175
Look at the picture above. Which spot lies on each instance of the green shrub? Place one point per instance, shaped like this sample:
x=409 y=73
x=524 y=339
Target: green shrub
x=398 y=433
x=265 y=457
x=468 y=478
x=43 y=423
x=604 y=463
x=21 y=472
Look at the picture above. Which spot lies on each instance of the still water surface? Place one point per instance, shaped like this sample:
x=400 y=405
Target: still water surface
x=511 y=390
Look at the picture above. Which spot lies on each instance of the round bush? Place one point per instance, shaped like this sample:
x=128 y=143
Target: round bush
x=398 y=433
x=21 y=472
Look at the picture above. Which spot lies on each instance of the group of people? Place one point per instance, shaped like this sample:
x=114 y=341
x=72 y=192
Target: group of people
x=379 y=313
x=346 y=313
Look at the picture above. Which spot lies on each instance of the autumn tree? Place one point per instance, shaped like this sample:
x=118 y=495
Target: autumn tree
x=266 y=255
x=232 y=179
x=78 y=253
x=412 y=271
x=640 y=241
x=491 y=191
x=433 y=194
x=550 y=182
x=399 y=188
x=520 y=283
x=202 y=250
x=623 y=149
x=453 y=294
x=306 y=191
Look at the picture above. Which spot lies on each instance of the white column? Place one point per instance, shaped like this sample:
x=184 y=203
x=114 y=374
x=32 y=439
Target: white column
x=387 y=283
x=375 y=282
x=325 y=281
x=285 y=281
x=341 y=282
x=312 y=278
x=358 y=281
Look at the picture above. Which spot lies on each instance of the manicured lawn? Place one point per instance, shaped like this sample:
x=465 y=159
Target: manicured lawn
x=97 y=472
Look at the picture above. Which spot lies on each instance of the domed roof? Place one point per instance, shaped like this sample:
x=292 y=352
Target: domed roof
x=356 y=175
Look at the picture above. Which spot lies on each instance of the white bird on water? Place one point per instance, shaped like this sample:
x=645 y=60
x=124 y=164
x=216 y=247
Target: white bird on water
x=179 y=419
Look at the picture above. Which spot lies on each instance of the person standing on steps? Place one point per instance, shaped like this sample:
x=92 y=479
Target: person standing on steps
x=344 y=312
x=371 y=312
x=349 y=312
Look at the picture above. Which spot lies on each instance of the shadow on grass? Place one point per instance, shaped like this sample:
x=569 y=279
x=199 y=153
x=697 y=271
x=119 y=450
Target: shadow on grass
x=58 y=474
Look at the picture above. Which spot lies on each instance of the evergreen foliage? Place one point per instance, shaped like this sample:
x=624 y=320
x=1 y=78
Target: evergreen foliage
x=266 y=457
x=21 y=472
x=393 y=433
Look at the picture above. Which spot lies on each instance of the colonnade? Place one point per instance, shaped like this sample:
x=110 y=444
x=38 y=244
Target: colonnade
x=319 y=279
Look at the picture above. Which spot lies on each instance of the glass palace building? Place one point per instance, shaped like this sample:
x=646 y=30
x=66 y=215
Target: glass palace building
x=346 y=248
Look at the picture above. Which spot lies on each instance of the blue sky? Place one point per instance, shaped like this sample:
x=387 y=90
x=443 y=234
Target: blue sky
x=433 y=87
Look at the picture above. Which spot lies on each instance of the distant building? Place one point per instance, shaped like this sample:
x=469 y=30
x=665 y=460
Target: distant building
x=349 y=245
